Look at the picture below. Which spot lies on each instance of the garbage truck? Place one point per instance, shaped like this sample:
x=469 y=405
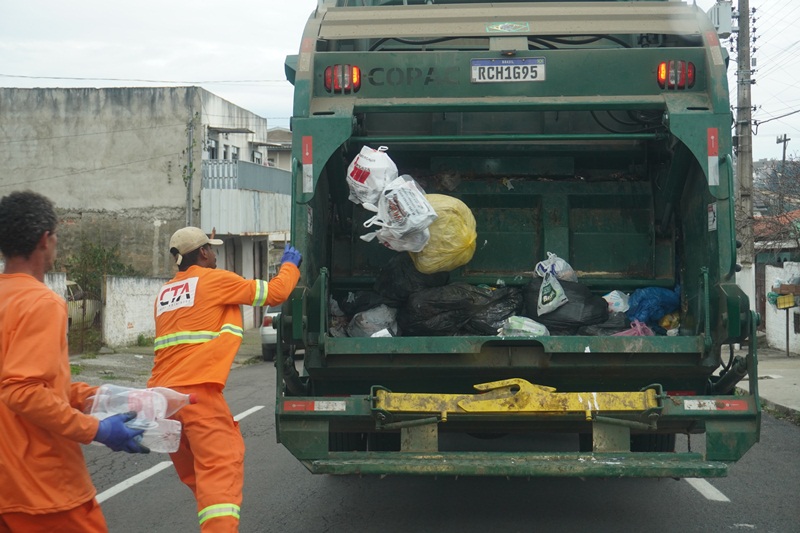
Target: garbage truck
x=595 y=131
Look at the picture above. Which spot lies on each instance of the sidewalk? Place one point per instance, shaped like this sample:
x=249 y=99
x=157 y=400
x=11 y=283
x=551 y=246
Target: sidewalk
x=778 y=379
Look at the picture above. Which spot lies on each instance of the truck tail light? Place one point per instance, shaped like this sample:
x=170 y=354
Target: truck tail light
x=342 y=79
x=267 y=321
x=675 y=75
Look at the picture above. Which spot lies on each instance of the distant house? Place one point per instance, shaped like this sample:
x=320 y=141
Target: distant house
x=126 y=167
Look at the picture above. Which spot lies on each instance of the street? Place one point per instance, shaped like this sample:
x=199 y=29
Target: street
x=143 y=493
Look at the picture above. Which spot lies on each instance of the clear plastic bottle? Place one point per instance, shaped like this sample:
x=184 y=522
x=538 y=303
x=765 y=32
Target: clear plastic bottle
x=152 y=407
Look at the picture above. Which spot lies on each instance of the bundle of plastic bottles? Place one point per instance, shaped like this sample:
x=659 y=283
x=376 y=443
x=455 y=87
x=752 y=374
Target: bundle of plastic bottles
x=152 y=407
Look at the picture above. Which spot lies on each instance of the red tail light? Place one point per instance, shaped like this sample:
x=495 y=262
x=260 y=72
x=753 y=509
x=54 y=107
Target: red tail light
x=342 y=79
x=675 y=75
x=267 y=321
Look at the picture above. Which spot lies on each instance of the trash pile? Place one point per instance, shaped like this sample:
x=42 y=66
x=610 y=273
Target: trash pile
x=785 y=294
x=412 y=295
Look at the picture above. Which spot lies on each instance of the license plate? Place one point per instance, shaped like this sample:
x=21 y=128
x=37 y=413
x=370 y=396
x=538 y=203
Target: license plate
x=507 y=70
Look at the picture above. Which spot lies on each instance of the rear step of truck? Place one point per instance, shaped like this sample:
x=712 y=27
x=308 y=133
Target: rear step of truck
x=574 y=464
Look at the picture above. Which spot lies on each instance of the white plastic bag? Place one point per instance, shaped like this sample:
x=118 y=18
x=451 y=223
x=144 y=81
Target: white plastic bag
x=557 y=266
x=617 y=301
x=403 y=214
x=522 y=326
x=369 y=173
x=551 y=295
x=368 y=323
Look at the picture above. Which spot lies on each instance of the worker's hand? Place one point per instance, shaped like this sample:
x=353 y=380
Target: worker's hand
x=292 y=255
x=116 y=435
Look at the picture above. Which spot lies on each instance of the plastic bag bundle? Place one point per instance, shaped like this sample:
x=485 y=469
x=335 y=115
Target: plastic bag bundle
x=637 y=329
x=399 y=278
x=403 y=214
x=369 y=173
x=651 y=303
x=557 y=266
x=367 y=323
x=583 y=308
x=551 y=295
x=458 y=308
x=452 y=236
x=522 y=326
x=617 y=301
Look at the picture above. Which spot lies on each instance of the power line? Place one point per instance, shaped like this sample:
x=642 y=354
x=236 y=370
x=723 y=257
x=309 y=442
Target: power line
x=190 y=82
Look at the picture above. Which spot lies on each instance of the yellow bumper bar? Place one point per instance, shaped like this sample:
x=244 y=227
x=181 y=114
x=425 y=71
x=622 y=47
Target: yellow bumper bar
x=516 y=396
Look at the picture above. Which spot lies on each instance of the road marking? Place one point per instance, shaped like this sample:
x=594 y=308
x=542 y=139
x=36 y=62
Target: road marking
x=138 y=478
x=248 y=412
x=130 y=482
x=707 y=490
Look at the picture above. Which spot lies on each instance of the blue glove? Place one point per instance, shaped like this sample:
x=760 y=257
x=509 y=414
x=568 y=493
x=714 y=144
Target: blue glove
x=116 y=435
x=291 y=255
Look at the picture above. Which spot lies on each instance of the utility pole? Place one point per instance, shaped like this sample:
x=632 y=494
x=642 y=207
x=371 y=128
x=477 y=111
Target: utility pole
x=785 y=140
x=744 y=135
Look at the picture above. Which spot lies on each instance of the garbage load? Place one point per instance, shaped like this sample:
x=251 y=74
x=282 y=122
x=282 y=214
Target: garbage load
x=453 y=236
x=369 y=173
x=458 y=309
x=583 y=308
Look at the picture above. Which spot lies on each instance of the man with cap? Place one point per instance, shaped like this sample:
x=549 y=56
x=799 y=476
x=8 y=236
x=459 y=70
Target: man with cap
x=198 y=333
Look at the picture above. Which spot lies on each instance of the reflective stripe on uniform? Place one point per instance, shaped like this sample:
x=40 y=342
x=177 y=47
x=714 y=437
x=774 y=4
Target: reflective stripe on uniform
x=262 y=289
x=194 y=337
x=217 y=510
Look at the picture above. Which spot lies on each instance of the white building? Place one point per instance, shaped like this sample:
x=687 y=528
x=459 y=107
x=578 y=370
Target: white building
x=126 y=167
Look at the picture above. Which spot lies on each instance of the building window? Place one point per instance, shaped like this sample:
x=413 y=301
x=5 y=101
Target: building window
x=212 y=149
x=225 y=150
x=234 y=153
x=256 y=157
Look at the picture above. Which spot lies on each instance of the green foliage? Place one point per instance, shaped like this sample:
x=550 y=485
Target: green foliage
x=75 y=370
x=141 y=340
x=91 y=262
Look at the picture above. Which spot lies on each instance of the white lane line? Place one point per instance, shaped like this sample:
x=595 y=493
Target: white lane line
x=707 y=490
x=130 y=482
x=138 y=478
x=248 y=412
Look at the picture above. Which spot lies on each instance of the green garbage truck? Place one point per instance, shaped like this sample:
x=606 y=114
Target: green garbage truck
x=597 y=131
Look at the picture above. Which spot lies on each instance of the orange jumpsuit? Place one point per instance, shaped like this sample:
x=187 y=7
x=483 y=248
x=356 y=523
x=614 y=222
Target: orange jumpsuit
x=198 y=333
x=43 y=476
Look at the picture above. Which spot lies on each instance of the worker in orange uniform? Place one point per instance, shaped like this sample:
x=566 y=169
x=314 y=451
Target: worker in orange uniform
x=44 y=483
x=198 y=333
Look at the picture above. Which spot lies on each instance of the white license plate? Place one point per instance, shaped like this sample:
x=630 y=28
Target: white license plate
x=507 y=70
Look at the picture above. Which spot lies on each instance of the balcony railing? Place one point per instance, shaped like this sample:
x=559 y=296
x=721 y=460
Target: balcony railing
x=223 y=174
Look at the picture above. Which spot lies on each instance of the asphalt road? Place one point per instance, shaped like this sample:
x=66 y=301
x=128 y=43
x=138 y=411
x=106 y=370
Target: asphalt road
x=143 y=494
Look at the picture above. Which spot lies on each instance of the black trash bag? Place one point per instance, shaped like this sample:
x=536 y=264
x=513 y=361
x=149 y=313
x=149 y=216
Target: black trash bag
x=616 y=323
x=489 y=319
x=458 y=308
x=352 y=303
x=400 y=278
x=583 y=308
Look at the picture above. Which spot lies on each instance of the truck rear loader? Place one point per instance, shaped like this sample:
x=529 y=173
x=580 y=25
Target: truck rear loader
x=598 y=131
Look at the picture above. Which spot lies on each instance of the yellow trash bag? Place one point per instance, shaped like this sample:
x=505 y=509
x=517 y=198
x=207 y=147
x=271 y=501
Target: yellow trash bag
x=453 y=235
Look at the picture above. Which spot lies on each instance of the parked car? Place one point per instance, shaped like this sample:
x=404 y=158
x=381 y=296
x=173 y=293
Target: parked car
x=269 y=335
x=82 y=309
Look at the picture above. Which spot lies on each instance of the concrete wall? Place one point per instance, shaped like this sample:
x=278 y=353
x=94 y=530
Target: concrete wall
x=128 y=310
x=775 y=319
x=113 y=161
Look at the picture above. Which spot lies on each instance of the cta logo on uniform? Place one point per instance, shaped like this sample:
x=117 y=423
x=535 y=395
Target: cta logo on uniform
x=176 y=295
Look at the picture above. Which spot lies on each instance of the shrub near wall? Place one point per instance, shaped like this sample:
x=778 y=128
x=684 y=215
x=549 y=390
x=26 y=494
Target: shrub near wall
x=128 y=312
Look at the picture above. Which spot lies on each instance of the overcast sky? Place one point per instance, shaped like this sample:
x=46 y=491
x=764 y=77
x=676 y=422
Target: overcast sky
x=236 y=50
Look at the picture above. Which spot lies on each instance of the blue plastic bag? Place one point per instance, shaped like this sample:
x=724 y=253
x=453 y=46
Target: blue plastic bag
x=651 y=303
